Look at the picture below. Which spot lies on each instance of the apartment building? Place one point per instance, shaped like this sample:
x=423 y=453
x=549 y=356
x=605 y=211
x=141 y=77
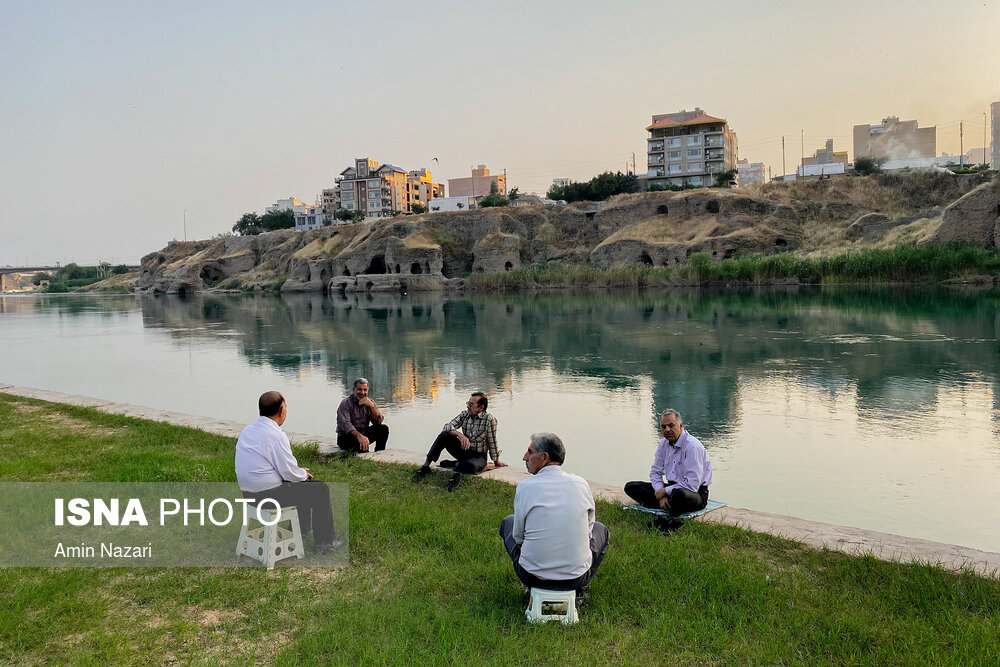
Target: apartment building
x=380 y=191
x=689 y=148
x=895 y=140
x=477 y=185
x=995 y=135
x=311 y=217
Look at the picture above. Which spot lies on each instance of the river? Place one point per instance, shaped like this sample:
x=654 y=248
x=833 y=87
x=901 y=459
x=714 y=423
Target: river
x=868 y=407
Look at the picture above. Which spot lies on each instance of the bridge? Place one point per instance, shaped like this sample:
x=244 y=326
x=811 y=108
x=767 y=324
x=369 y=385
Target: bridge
x=8 y=282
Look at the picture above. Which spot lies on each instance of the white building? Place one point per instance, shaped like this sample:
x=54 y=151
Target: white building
x=292 y=204
x=824 y=169
x=441 y=204
x=749 y=172
x=311 y=217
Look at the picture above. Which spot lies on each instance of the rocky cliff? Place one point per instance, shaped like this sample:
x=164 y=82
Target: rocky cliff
x=433 y=251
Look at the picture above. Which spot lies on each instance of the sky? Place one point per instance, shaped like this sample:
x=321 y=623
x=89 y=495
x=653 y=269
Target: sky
x=122 y=121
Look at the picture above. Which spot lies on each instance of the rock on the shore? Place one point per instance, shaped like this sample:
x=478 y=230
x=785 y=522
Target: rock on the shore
x=975 y=218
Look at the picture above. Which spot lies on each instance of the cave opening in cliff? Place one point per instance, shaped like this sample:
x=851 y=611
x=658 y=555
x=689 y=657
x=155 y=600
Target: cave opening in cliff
x=645 y=259
x=415 y=268
x=377 y=265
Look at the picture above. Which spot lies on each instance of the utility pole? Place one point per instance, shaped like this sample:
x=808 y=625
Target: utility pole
x=961 y=144
x=986 y=160
x=782 y=157
x=504 y=183
x=185 y=224
x=633 y=162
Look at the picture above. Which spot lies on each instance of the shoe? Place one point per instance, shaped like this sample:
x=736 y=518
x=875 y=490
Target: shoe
x=447 y=463
x=455 y=480
x=322 y=549
x=666 y=525
x=380 y=447
x=421 y=473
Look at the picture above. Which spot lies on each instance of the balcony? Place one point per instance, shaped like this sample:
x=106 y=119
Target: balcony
x=654 y=173
x=715 y=142
x=655 y=148
x=655 y=160
x=715 y=155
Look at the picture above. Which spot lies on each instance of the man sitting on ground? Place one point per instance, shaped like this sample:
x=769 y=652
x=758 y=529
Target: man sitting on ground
x=682 y=461
x=359 y=421
x=552 y=537
x=266 y=468
x=468 y=437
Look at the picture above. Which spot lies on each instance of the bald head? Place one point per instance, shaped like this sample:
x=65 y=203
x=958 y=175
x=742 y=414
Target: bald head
x=269 y=404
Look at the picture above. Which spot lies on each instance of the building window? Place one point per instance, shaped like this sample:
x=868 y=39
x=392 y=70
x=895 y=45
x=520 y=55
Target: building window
x=347 y=186
x=673 y=143
x=694 y=152
x=374 y=184
x=374 y=194
x=675 y=155
x=348 y=206
x=694 y=140
x=675 y=169
x=694 y=166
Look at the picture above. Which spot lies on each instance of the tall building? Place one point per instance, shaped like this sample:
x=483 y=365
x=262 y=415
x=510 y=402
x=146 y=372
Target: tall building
x=380 y=191
x=478 y=185
x=995 y=140
x=826 y=156
x=689 y=148
x=894 y=140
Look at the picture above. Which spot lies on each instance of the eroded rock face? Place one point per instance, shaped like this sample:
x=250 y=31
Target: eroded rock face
x=975 y=218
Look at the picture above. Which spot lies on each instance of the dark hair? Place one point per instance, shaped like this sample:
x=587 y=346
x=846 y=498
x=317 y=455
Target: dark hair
x=481 y=399
x=549 y=443
x=269 y=403
x=360 y=381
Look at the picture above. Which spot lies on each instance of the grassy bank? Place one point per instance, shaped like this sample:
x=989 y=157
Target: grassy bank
x=429 y=582
x=913 y=264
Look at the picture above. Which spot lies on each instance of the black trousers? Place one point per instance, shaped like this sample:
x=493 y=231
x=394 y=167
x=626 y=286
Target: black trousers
x=312 y=500
x=599 y=538
x=469 y=460
x=680 y=500
x=377 y=434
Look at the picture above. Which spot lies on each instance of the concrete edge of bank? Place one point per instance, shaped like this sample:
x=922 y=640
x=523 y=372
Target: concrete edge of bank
x=854 y=541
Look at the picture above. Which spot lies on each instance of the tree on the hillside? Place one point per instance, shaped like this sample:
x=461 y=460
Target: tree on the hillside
x=418 y=207
x=39 y=277
x=460 y=205
x=104 y=269
x=274 y=220
x=598 y=188
x=724 y=179
x=866 y=166
x=494 y=198
x=513 y=194
x=120 y=269
x=248 y=225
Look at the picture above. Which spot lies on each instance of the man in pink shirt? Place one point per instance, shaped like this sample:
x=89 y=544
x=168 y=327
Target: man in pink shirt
x=681 y=472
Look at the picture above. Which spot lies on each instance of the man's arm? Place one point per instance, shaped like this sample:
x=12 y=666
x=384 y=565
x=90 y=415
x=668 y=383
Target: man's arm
x=491 y=442
x=520 y=513
x=280 y=456
x=344 y=424
x=693 y=471
x=656 y=470
x=454 y=428
x=375 y=415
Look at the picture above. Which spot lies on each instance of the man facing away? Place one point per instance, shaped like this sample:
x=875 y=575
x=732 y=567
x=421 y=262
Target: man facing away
x=683 y=463
x=469 y=437
x=359 y=421
x=552 y=537
x=266 y=468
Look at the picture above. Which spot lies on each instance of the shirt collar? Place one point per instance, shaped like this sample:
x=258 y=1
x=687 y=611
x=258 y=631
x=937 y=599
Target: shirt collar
x=681 y=441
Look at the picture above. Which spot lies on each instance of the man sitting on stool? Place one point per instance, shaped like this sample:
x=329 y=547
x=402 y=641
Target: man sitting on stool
x=477 y=437
x=682 y=461
x=266 y=468
x=552 y=537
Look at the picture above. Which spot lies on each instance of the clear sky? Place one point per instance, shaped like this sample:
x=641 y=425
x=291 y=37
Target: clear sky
x=116 y=117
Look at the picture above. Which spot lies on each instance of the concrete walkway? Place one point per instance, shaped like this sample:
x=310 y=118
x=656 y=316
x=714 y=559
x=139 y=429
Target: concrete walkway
x=820 y=535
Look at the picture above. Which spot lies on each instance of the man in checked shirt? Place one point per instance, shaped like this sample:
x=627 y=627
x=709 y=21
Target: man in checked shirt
x=469 y=437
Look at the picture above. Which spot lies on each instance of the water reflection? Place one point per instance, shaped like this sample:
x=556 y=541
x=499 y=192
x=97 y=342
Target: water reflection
x=847 y=405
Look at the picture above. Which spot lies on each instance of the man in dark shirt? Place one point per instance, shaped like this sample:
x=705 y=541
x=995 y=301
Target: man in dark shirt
x=469 y=437
x=359 y=421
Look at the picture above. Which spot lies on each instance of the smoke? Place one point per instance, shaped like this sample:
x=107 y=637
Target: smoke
x=902 y=148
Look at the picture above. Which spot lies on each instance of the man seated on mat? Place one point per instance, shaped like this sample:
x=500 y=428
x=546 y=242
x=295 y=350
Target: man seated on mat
x=469 y=437
x=683 y=463
x=266 y=468
x=552 y=537
x=359 y=421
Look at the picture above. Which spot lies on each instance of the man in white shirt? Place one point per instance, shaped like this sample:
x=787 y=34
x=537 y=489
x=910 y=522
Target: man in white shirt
x=552 y=537
x=266 y=468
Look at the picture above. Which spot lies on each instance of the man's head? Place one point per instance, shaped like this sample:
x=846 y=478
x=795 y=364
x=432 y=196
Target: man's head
x=671 y=425
x=361 y=388
x=272 y=404
x=477 y=403
x=545 y=449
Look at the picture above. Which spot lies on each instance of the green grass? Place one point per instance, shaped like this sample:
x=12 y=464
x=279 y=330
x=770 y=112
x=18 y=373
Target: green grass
x=911 y=264
x=429 y=582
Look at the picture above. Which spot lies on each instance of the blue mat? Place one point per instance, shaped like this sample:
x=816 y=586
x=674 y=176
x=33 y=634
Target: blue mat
x=711 y=505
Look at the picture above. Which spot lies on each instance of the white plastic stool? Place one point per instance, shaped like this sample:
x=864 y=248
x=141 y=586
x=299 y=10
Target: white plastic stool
x=547 y=605
x=269 y=544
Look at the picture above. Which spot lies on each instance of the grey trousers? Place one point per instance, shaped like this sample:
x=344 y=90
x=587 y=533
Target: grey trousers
x=599 y=539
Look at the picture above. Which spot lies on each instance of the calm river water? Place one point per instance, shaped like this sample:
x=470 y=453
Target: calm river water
x=875 y=408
